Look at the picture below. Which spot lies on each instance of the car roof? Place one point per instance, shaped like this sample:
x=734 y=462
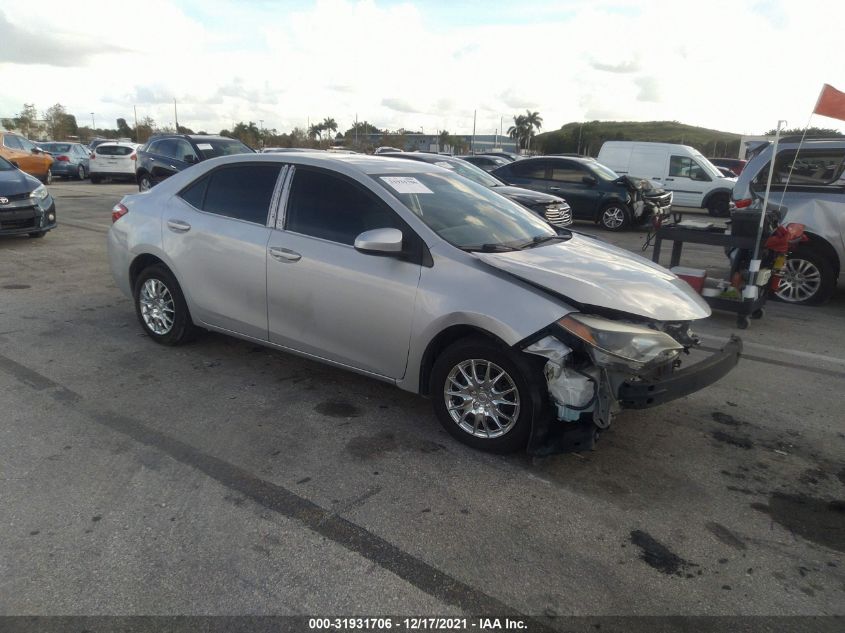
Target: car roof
x=118 y=143
x=344 y=163
x=584 y=160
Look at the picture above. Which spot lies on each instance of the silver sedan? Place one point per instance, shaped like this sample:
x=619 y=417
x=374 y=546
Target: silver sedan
x=412 y=274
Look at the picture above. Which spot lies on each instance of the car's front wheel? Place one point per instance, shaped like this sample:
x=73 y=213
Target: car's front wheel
x=161 y=307
x=719 y=205
x=484 y=396
x=615 y=217
x=809 y=278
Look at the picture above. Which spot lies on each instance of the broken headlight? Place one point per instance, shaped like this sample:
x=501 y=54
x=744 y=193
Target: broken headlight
x=617 y=344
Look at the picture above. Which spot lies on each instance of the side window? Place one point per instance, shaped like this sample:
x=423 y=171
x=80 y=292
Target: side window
x=680 y=166
x=11 y=142
x=809 y=168
x=152 y=148
x=25 y=144
x=332 y=208
x=194 y=194
x=167 y=147
x=242 y=192
x=183 y=150
x=529 y=169
x=566 y=171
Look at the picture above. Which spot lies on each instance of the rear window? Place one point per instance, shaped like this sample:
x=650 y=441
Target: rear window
x=211 y=148
x=809 y=167
x=114 y=150
x=56 y=147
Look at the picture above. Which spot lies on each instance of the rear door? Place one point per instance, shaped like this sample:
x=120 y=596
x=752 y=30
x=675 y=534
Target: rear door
x=168 y=160
x=529 y=173
x=567 y=181
x=324 y=297
x=215 y=232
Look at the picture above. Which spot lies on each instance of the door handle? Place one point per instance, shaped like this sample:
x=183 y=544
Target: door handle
x=554 y=188
x=177 y=226
x=173 y=167
x=670 y=179
x=284 y=254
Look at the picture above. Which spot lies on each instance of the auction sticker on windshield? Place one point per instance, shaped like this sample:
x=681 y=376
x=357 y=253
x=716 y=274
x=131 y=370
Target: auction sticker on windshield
x=406 y=184
x=204 y=146
x=443 y=163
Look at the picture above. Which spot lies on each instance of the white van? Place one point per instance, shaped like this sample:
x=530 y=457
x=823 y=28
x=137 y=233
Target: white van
x=683 y=170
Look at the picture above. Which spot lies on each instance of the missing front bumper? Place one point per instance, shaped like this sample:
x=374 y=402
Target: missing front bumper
x=645 y=394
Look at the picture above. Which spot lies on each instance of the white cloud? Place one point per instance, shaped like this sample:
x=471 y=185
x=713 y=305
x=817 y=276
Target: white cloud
x=725 y=64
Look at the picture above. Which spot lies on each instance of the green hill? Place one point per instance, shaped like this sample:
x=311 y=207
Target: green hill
x=594 y=133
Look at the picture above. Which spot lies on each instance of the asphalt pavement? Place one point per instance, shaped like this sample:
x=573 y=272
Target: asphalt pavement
x=225 y=478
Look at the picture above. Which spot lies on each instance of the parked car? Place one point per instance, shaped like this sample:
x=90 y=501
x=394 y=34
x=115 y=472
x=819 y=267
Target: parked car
x=384 y=149
x=408 y=273
x=594 y=192
x=552 y=209
x=26 y=206
x=510 y=156
x=284 y=150
x=808 y=187
x=487 y=163
x=113 y=160
x=25 y=154
x=69 y=159
x=726 y=172
x=736 y=165
x=168 y=154
x=681 y=169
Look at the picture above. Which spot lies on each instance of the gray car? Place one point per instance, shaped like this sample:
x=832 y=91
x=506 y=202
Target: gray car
x=412 y=274
x=69 y=159
x=813 y=196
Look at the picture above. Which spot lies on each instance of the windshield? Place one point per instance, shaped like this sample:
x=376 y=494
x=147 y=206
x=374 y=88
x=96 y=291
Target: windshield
x=605 y=172
x=468 y=170
x=707 y=166
x=6 y=165
x=213 y=147
x=464 y=213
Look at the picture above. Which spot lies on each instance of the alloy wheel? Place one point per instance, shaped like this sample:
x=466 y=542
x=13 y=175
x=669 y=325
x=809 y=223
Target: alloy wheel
x=157 y=306
x=481 y=398
x=613 y=218
x=801 y=280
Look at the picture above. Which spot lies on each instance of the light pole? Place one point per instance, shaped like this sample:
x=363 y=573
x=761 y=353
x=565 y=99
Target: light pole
x=93 y=127
x=261 y=131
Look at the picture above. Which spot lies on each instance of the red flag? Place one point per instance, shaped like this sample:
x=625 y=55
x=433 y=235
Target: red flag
x=831 y=103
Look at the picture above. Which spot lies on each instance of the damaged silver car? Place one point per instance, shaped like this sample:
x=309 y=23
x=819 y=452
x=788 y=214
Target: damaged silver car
x=412 y=274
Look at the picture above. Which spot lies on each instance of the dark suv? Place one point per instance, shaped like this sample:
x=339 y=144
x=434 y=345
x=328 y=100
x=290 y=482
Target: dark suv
x=167 y=154
x=594 y=192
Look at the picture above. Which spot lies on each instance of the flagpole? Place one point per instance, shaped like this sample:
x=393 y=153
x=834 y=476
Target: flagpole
x=795 y=158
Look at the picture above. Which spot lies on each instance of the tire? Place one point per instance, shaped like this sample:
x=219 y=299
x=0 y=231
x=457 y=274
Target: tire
x=719 y=205
x=809 y=279
x=161 y=308
x=96 y=180
x=48 y=177
x=145 y=183
x=38 y=234
x=451 y=372
x=615 y=217
x=80 y=172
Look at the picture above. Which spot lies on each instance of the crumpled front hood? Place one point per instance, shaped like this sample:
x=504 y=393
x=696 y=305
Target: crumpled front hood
x=594 y=273
x=14 y=182
x=526 y=195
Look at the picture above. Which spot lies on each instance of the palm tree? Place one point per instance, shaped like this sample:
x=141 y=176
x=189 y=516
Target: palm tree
x=315 y=130
x=532 y=120
x=329 y=124
x=518 y=130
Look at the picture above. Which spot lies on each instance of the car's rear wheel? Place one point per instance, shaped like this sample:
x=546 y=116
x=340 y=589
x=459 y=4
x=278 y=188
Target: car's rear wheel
x=809 y=279
x=80 y=172
x=483 y=395
x=161 y=307
x=615 y=217
x=48 y=177
x=145 y=183
x=96 y=180
x=719 y=205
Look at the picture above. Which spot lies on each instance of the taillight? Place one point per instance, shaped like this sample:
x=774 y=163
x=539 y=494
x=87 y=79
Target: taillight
x=133 y=157
x=62 y=159
x=118 y=211
x=741 y=204
x=92 y=157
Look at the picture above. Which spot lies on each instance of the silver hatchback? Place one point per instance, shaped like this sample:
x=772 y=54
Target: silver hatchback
x=412 y=274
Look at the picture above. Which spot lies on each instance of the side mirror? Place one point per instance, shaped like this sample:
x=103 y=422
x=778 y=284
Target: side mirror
x=190 y=158
x=380 y=242
x=35 y=150
x=589 y=180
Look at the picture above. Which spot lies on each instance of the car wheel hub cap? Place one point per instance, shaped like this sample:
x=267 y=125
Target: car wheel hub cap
x=801 y=281
x=481 y=398
x=157 y=306
x=613 y=218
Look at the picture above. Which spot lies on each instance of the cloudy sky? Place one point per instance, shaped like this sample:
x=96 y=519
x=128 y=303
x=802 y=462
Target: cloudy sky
x=734 y=65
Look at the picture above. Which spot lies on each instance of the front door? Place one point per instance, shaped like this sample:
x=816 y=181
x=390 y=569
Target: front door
x=324 y=297
x=215 y=231
x=687 y=180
